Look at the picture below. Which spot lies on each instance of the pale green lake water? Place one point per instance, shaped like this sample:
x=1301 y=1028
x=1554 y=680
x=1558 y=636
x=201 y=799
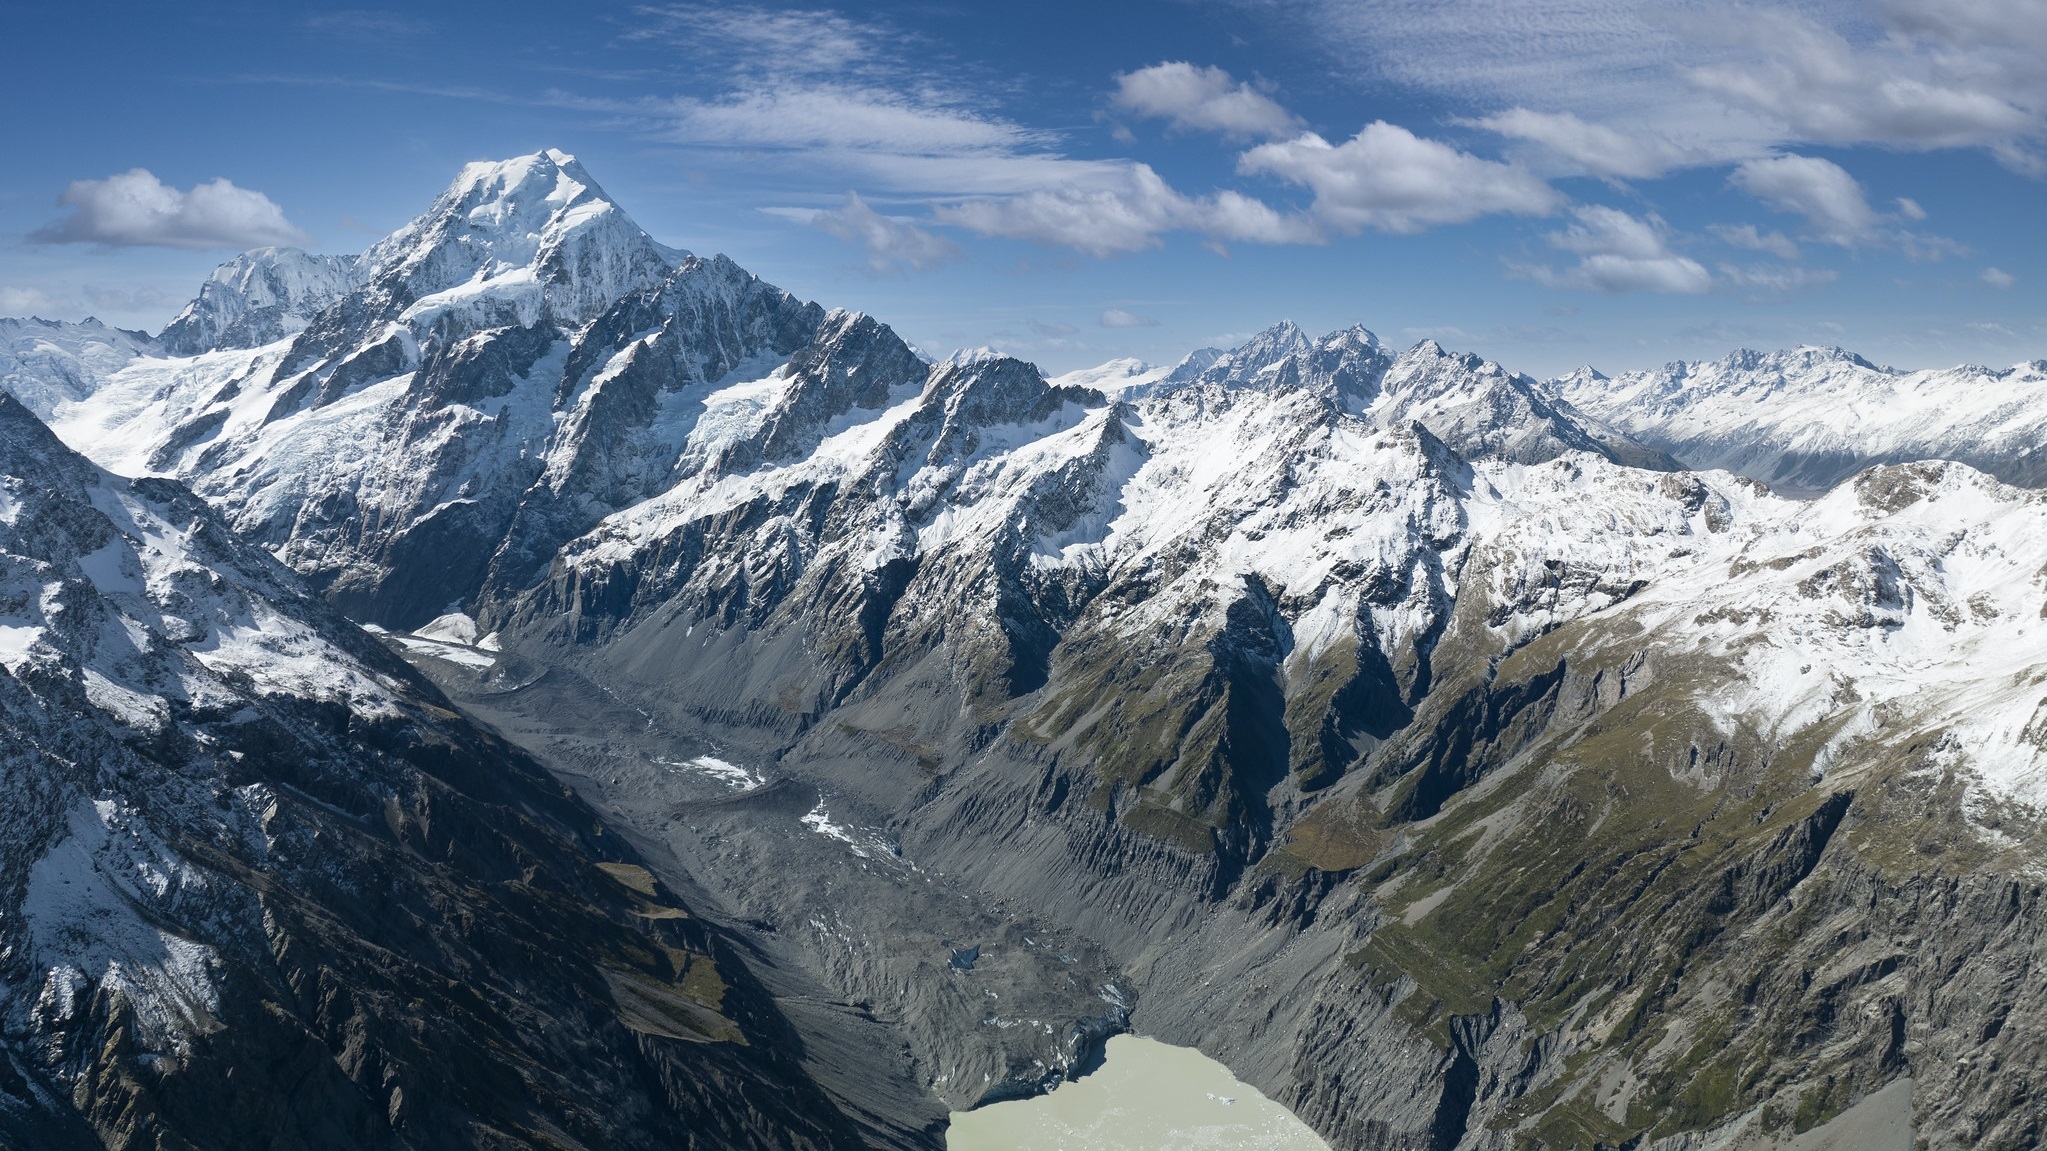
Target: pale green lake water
x=1146 y=1096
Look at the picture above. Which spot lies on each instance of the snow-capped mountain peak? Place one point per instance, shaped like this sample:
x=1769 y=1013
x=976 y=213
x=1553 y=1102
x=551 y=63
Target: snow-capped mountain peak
x=535 y=232
x=1809 y=417
x=259 y=297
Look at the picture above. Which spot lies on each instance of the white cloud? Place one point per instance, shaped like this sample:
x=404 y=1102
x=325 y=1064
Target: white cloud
x=844 y=118
x=812 y=92
x=1619 y=253
x=1901 y=73
x=1118 y=318
x=1910 y=209
x=33 y=302
x=1202 y=99
x=135 y=209
x=1127 y=217
x=1821 y=88
x=1755 y=240
x=1999 y=278
x=891 y=244
x=1387 y=178
x=1822 y=191
x=1926 y=247
x=746 y=38
x=1597 y=148
x=1776 y=277
x=2017 y=25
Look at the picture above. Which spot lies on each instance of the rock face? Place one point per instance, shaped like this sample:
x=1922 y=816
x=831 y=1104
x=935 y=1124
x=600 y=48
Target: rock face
x=498 y=374
x=1809 y=418
x=1418 y=738
x=258 y=298
x=262 y=887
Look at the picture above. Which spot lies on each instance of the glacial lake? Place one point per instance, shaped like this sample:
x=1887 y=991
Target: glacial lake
x=1146 y=1096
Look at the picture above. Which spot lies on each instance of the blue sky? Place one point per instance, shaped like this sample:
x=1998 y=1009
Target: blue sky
x=1545 y=183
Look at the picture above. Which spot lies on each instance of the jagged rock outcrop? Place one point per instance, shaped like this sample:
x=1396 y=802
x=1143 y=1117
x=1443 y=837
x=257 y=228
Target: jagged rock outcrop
x=1415 y=736
x=258 y=298
x=261 y=885
x=504 y=371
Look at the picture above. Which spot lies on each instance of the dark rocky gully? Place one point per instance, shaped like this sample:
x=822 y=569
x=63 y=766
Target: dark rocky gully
x=626 y=706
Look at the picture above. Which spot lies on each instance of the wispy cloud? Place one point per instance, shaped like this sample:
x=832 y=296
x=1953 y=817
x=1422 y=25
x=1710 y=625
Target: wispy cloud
x=827 y=93
x=1118 y=318
x=892 y=245
x=748 y=38
x=1615 y=86
x=365 y=24
x=1775 y=279
x=1998 y=278
x=1821 y=88
x=19 y=301
x=1756 y=240
x=845 y=118
x=135 y=209
x=1127 y=216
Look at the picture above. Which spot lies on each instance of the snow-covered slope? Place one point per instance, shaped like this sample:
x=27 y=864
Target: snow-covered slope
x=1345 y=642
x=1515 y=742
x=44 y=363
x=256 y=880
x=522 y=333
x=258 y=298
x=1017 y=526
x=1808 y=418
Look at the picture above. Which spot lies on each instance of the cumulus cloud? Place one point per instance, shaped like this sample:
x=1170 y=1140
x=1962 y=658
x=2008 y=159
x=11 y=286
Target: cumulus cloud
x=1618 y=252
x=1388 y=179
x=1128 y=217
x=1118 y=318
x=1999 y=278
x=135 y=209
x=891 y=244
x=1830 y=199
x=1202 y=99
x=1597 y=148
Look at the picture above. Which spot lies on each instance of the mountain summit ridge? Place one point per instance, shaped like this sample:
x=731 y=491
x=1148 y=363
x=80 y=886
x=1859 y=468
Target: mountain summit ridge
x=1477 y=762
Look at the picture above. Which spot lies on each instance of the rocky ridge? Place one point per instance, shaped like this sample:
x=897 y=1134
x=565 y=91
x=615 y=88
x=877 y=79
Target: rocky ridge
x=1810 y=418
x=263 y=885
x=1416 y=737
x=258 y=298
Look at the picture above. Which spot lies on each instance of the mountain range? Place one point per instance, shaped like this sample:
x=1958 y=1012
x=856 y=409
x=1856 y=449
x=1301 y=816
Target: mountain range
x=1468 y=760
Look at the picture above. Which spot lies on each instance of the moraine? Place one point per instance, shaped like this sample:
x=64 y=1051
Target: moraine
x=1419 y=737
